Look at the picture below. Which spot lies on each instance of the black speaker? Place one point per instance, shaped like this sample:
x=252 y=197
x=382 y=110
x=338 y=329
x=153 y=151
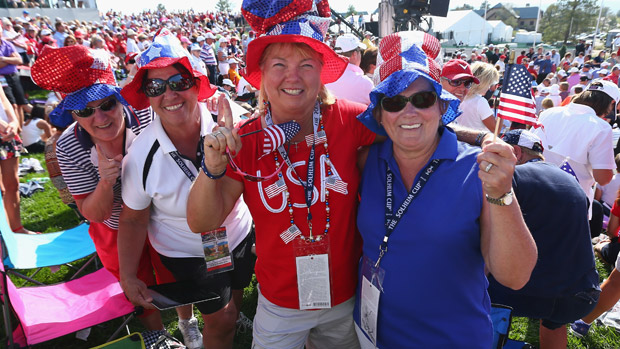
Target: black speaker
x=439 y=8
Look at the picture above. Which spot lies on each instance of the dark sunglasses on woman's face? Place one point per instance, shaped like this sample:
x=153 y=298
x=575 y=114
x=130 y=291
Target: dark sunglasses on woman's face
x=420 y=100
x=456 y=83
x=88 y=111
x=177 y=82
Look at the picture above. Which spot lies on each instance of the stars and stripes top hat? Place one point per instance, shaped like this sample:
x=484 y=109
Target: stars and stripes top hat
x=165 y=51
x=302 y=21
x=404 y=57
x=79 y=74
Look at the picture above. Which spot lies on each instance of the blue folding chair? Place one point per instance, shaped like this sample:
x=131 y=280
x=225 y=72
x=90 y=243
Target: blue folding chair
x=23 y=251
x=501 y=316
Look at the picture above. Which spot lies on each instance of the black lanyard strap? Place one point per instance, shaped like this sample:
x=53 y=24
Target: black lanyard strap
x=392 y=219
x=179 y=161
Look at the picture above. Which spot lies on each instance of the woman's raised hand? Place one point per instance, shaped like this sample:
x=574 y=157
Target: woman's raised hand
x=223 y=138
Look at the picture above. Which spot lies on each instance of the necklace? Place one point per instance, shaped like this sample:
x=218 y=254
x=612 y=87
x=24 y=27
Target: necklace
x=289 y=204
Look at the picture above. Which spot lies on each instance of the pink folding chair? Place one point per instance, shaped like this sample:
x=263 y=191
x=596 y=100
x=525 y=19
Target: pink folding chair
x=51 y=311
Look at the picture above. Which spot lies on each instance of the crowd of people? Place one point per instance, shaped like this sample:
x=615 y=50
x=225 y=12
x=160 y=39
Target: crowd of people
x=148 y=118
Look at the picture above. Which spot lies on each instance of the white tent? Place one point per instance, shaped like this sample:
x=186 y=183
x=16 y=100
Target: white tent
x=501 y=31
x=525 y=37
x=464 y=26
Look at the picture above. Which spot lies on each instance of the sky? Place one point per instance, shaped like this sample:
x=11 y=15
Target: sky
x=126 y=6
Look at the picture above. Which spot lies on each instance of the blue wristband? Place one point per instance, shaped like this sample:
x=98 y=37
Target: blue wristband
x=212 y=176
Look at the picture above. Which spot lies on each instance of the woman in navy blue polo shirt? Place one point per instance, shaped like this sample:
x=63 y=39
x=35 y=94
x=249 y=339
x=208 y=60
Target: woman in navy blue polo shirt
x=428 y=231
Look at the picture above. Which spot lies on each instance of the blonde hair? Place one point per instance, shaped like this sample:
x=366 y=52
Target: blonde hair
x=487 y=74
x=324 y=97
x=547 y=103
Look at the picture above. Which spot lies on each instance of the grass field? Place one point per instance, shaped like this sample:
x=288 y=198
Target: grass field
x=45 y=212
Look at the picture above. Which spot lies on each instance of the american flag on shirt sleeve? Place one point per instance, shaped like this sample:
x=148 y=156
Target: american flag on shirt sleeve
x=516 y=102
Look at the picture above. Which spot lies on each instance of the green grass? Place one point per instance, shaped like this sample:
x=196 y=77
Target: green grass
x=45 y=212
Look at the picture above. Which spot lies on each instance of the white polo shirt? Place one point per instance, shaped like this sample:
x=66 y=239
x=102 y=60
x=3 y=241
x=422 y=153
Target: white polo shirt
x=574 y=131
x=475 y=110
x=166 y=191
x=353 y=85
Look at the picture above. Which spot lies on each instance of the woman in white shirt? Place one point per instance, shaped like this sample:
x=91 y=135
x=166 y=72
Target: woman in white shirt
x=477 y=113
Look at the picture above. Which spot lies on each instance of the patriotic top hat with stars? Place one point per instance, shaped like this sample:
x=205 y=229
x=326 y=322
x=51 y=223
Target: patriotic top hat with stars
x=80 y=74
x=165 y=51
x=278 y=21
x=404 y=57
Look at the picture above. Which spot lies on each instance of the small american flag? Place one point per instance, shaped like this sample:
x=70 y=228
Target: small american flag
x=336 y=184
x=289 y=234
x=276 y=135
x=276 y=188
x=565 y=166
x=321 y=137
x=516 y=102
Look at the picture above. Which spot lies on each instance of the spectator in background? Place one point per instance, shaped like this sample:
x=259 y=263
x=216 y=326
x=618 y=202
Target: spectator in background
x=573 y=77
x=132 y=45
x=456 y=78
x=368 y=41
x=599 y=59
x=36 y=131
x=613 y=76
x=564 y=90
x=554 y=95
x=60 y=33
x=79 y=38
x=233 y=73
x=477 y=113
x=520 y=57
x=16 y=38
x=555 y=59
x=613 y=59
x=544 y=66
x=353 y=85
x=207 y=54
x=369 y=61
x=564 y=283
x=69 y=41
x=579 y=60
x=194 y=58
x=9 y=60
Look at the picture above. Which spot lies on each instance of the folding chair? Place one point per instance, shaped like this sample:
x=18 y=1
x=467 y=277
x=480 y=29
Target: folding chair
x=48 y=312
x=501 y=316
x=22 y=251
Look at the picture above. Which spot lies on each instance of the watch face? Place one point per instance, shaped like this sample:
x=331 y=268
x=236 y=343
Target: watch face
x=507 y=200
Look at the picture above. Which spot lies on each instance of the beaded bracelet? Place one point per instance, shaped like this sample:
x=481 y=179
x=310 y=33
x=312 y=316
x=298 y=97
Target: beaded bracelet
x=480 y=137
x=206 y=171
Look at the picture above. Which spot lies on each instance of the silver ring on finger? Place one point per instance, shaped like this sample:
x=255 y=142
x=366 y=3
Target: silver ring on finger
x=216 y=133
x=488 y=168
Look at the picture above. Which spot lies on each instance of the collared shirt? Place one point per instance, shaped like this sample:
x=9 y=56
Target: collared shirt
x=207 y=55
x=422 y=233
x=166 y=190
x=60 y=38
x=353 y=85
x=577 y=133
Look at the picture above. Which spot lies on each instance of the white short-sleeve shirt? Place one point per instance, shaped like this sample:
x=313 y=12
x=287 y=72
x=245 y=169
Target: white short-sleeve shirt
x=166 y=190
x=575 y=132
x=475 y=109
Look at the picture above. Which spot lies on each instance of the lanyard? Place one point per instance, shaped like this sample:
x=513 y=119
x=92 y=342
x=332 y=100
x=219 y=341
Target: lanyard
x=309 y=184
x=392 y=219
x=179 y=161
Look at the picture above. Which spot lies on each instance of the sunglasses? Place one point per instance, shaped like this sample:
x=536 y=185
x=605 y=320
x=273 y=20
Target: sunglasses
x=420 y=100
x=178 y=82
x=456 y=83
x=88 y=111
x=250 y=177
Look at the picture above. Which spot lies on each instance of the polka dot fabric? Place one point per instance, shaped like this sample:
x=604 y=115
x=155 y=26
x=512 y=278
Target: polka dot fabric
x=404 y=57
x=302 y=21
x=69 y=69
x=61 y=115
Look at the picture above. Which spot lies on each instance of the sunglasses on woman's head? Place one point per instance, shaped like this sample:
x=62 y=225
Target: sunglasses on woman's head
x=420 y=100
x=456 y=83
x=88 y=111
x=177 y=82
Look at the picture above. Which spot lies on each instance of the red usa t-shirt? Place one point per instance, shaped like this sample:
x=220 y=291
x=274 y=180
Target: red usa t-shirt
x=275 y=267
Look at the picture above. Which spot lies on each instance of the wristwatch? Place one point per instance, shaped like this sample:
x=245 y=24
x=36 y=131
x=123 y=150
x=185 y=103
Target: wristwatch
x=504 y=200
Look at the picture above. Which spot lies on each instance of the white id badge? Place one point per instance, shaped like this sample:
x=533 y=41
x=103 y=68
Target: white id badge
x=217 y=251
x=313 y=280
x=371 y=288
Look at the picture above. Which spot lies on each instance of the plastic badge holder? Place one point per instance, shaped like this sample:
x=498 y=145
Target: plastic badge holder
x=176 y=294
